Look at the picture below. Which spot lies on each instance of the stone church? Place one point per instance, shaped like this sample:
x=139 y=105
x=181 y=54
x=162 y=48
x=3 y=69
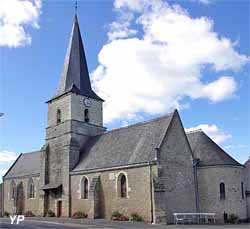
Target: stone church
x=152 y=168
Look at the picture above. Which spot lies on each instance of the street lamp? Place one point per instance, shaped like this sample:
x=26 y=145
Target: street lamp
x=1 y=114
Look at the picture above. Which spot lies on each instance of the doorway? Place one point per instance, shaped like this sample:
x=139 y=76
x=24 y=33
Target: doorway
x=59 y=208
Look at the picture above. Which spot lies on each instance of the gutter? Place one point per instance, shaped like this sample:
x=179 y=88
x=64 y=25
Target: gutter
x=87 y=171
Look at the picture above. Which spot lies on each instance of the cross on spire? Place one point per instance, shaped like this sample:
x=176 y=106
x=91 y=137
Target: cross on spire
x=76 y=7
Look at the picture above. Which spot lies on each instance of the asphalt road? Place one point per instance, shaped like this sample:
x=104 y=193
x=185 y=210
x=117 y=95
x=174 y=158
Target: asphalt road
x=33 y=224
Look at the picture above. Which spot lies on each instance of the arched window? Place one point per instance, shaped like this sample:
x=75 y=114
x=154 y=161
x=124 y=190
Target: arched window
x=12 y=189
x=242 y=190
x=58 y=116
x=122 y=186
x=84 y=188
x=222 y=191
x=86 y=115
x=31 y=189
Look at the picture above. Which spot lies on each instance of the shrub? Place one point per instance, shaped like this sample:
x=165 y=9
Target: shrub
x=6 y=214
x=232 y=219
x=79 y=215
x=50 y=214
x=116 y=215
x=29 y=214
x=136 y=217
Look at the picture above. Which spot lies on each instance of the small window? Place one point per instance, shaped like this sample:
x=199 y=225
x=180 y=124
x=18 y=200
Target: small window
x=242 y=190
x=58 y=117
x=31 y=189
x=84 y=188
x=122 y=186
x=12 y=189
x=222 y=191
x=86 y=115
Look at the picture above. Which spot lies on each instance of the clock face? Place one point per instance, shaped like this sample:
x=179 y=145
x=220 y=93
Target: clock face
x=87 y=102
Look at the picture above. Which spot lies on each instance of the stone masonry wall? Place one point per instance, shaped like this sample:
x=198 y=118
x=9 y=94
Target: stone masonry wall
x=78 y=107
x=176 y=162
x=209 y=179
x=1 y=199
x=72 y=108
x=138 y=199
x=246 y=173
x=29 y=204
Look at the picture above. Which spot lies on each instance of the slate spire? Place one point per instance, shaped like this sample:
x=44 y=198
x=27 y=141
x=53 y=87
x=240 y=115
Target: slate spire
x=75 y=75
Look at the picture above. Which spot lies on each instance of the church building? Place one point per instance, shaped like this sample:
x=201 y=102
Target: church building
x=152 y=168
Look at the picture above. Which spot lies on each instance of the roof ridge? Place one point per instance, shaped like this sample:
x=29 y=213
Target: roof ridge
x=139 y=123
x=247 y=161
x=37 y=151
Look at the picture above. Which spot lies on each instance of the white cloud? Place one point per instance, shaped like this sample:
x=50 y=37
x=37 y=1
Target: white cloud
x=15 y=17
x=205 y=2
x=7 y=156
x=235 y=146
x=164 y=63
x=2 y=172
x=213 y=131
x=120 y=30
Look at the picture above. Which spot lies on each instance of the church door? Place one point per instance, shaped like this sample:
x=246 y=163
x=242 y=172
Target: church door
x=59 y=208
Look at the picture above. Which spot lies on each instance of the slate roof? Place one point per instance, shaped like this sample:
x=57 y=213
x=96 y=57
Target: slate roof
x=209 y=153
x=247 y=162
x=26 y=164
x=75 y=75
x=129 y=145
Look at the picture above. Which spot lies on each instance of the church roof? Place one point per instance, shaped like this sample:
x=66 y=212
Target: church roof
x=25 y=165
x=247 y=162
x=75 y=75
x=207 y=151
x=134 y=144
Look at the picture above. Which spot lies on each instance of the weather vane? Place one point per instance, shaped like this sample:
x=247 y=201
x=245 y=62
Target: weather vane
x=76 y=7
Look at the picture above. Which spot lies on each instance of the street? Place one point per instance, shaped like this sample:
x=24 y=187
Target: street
x=97 y=224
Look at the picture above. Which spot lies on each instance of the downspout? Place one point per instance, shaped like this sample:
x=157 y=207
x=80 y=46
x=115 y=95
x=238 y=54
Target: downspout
x=195 y=163
x=151 y=193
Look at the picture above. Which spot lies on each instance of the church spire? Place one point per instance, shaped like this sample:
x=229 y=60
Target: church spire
x=75 y=75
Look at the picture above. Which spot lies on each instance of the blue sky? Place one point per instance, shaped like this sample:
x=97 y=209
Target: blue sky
x=145 y=60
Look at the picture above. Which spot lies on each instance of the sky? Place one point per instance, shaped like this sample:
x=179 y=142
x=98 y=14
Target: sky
x=146 y=58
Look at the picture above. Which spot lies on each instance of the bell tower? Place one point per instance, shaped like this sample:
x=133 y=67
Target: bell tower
x=75 y=114
x=75 y=99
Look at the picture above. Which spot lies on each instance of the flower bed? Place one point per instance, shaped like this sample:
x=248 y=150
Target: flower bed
x=79 y=215
x=117 y=216
x=29 y=214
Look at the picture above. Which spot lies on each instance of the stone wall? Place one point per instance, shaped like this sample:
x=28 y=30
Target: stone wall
x=176 y=163
x=72 y=108
x=209 y=179
x=246 y=172
x=78 y=107
x=29 y=204
x=1 y=199
x=63 y=143
x=138 y=186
